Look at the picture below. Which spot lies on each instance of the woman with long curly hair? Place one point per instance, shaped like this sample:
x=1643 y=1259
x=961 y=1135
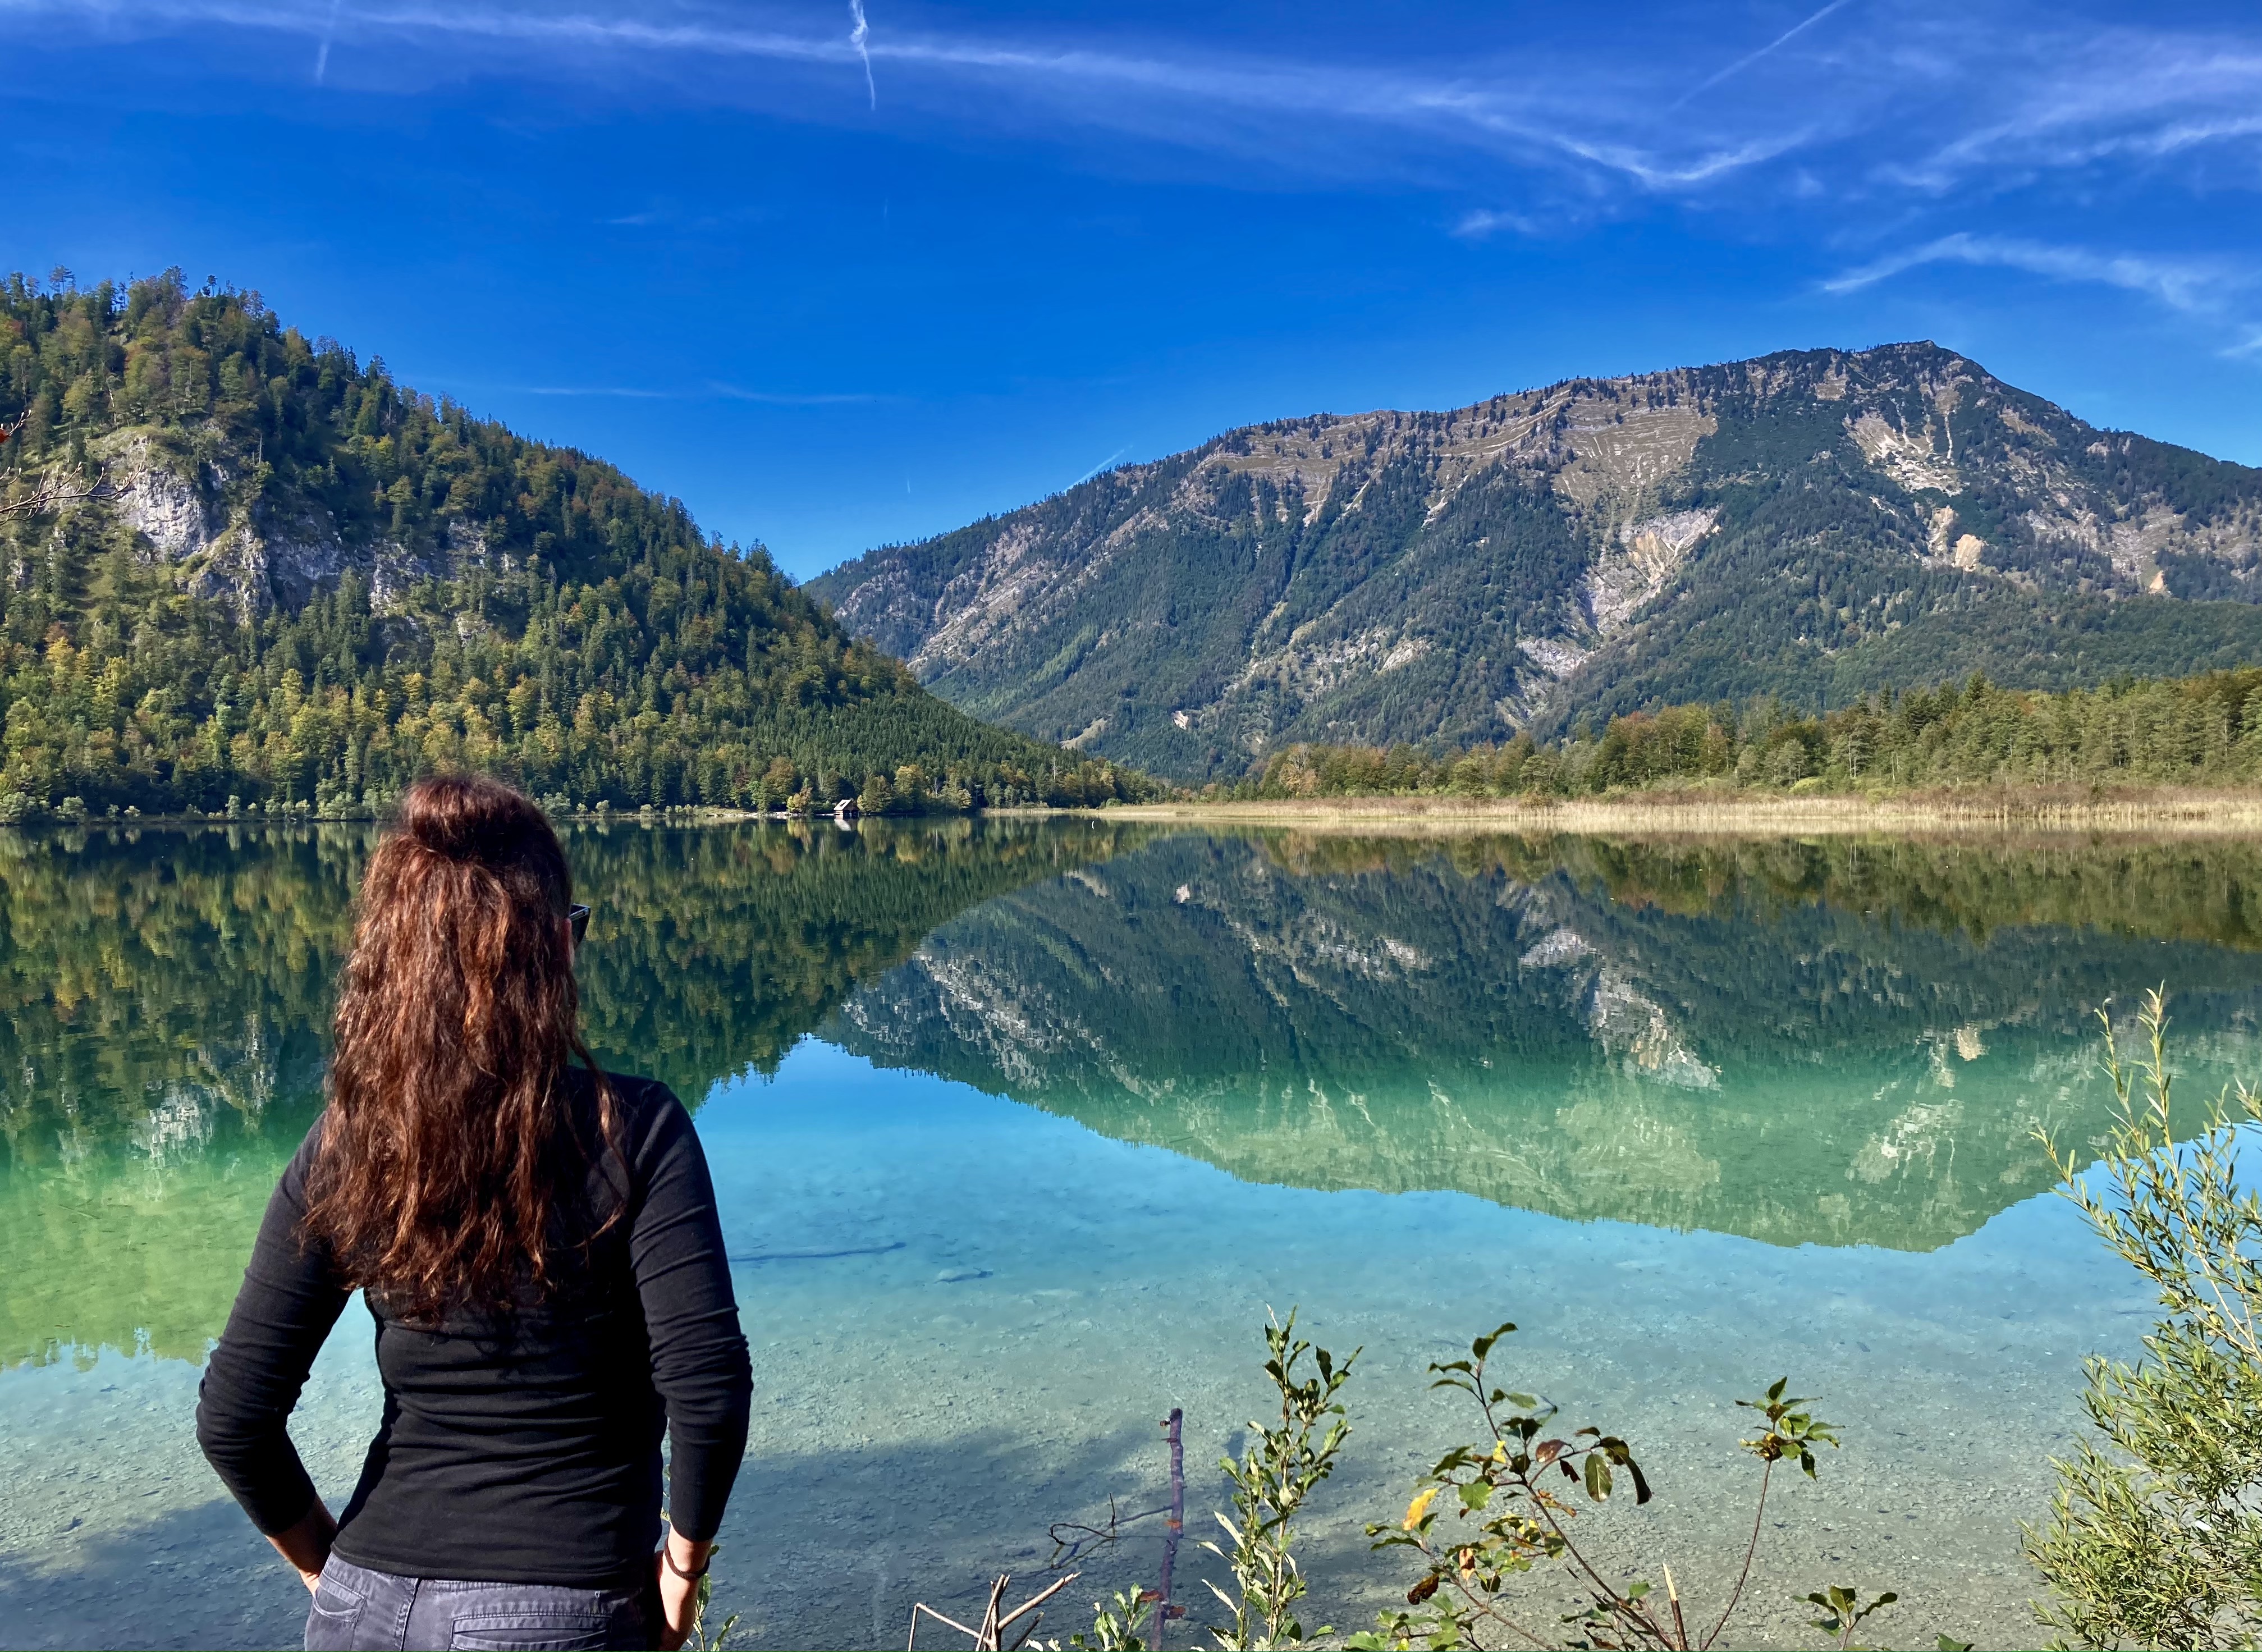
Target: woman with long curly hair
x=536 y=1242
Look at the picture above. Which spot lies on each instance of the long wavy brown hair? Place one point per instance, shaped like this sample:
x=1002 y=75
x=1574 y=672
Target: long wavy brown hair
x=453 y=1166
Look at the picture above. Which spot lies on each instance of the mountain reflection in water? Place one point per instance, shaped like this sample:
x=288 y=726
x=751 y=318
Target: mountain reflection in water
x=167 y=998
x=1837 y=1042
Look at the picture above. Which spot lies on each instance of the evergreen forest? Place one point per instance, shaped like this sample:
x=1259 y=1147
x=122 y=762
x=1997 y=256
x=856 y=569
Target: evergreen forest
x=242 y=570
x=2198 y=731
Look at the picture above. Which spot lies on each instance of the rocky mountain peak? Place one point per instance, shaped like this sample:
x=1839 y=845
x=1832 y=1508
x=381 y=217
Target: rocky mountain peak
x=1805 y=523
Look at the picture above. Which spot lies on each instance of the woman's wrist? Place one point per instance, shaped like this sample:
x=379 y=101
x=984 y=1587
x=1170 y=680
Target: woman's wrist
x=686 y=1557
x=306 y=1543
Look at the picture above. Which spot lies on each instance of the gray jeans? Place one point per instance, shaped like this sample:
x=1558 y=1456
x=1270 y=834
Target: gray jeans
x=355 y=1608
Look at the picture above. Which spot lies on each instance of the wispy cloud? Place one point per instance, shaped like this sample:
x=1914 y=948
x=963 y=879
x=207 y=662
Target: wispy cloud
x=2073 y=99
x=704 y=393
x=596 y=390
x=2193 y=286
x=1484 y=223
x=1932 y=98
x=1166 y=92
x=794 y=398
x=861 y=38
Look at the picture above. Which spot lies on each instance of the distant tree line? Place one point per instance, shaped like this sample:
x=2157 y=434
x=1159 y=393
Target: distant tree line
x=2203 y=730
x=503 y=604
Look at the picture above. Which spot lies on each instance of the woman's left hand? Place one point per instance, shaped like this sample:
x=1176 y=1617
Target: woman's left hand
x=678 y=1607
x=679 y=1595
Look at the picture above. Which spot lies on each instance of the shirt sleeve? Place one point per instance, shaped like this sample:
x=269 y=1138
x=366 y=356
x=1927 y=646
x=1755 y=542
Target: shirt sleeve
x=699 y=1361
x=290 y=1299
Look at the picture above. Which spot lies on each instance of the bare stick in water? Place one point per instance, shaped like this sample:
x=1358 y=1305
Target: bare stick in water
x=1177 y=1520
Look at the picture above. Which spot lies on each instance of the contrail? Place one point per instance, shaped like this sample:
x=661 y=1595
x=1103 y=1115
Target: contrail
x=1743 y=63
x=862 y=32
x=1102 y=465
x=330 y=31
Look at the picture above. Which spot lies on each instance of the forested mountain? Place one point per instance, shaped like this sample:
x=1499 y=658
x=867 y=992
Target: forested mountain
x=1811 y=525
x=236 y=562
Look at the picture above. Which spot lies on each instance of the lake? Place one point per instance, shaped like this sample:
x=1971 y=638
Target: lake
x=1021 y=1128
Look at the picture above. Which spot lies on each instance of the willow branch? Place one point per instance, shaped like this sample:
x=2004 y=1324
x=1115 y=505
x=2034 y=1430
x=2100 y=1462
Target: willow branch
x=1767 y=1474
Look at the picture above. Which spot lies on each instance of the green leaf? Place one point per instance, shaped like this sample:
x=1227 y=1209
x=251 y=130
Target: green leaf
x=1483 y=1345
x=1598 y=1475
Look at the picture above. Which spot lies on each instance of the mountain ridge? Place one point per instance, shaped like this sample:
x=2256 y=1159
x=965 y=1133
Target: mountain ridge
x=1811 y=523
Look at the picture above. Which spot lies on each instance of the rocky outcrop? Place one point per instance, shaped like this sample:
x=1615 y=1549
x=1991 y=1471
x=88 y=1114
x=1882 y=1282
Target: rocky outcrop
x=171 y=511
x=256 y=555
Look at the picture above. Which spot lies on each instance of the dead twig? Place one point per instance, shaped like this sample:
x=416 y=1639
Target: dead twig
x=990 y=1636
x=1034 y=1601
x=1066 y=1550
x=48 y=498
x=911 y=1643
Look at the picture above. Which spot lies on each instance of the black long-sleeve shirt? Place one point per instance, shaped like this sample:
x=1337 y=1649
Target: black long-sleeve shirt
x=523 y=1449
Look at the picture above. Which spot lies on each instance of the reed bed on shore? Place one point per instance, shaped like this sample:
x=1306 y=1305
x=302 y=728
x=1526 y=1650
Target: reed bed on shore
x=2191 y=812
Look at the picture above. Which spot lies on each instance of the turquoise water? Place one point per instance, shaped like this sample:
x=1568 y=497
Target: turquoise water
x=1019 y=1132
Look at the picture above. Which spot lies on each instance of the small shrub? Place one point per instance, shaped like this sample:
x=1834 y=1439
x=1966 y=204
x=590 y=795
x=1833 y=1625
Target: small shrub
x=2155 y=1532
x=1492 y=1511
x=1278 y=1472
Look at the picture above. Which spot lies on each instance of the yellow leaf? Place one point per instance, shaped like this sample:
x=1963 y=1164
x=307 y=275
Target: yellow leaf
x=1419 y=1507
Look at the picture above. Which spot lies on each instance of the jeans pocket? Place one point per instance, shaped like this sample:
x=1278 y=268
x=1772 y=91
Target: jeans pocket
x=333 y=1617
x=541 y=1630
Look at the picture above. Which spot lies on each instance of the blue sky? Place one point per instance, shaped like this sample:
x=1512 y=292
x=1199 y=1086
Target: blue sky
x=849 y=271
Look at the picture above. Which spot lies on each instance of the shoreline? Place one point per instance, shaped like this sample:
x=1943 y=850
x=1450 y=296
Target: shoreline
x=2154 y=811
x=2162 y=811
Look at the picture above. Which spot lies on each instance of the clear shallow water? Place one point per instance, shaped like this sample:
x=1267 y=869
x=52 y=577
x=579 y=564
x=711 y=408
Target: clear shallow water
x=1083 y=1103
